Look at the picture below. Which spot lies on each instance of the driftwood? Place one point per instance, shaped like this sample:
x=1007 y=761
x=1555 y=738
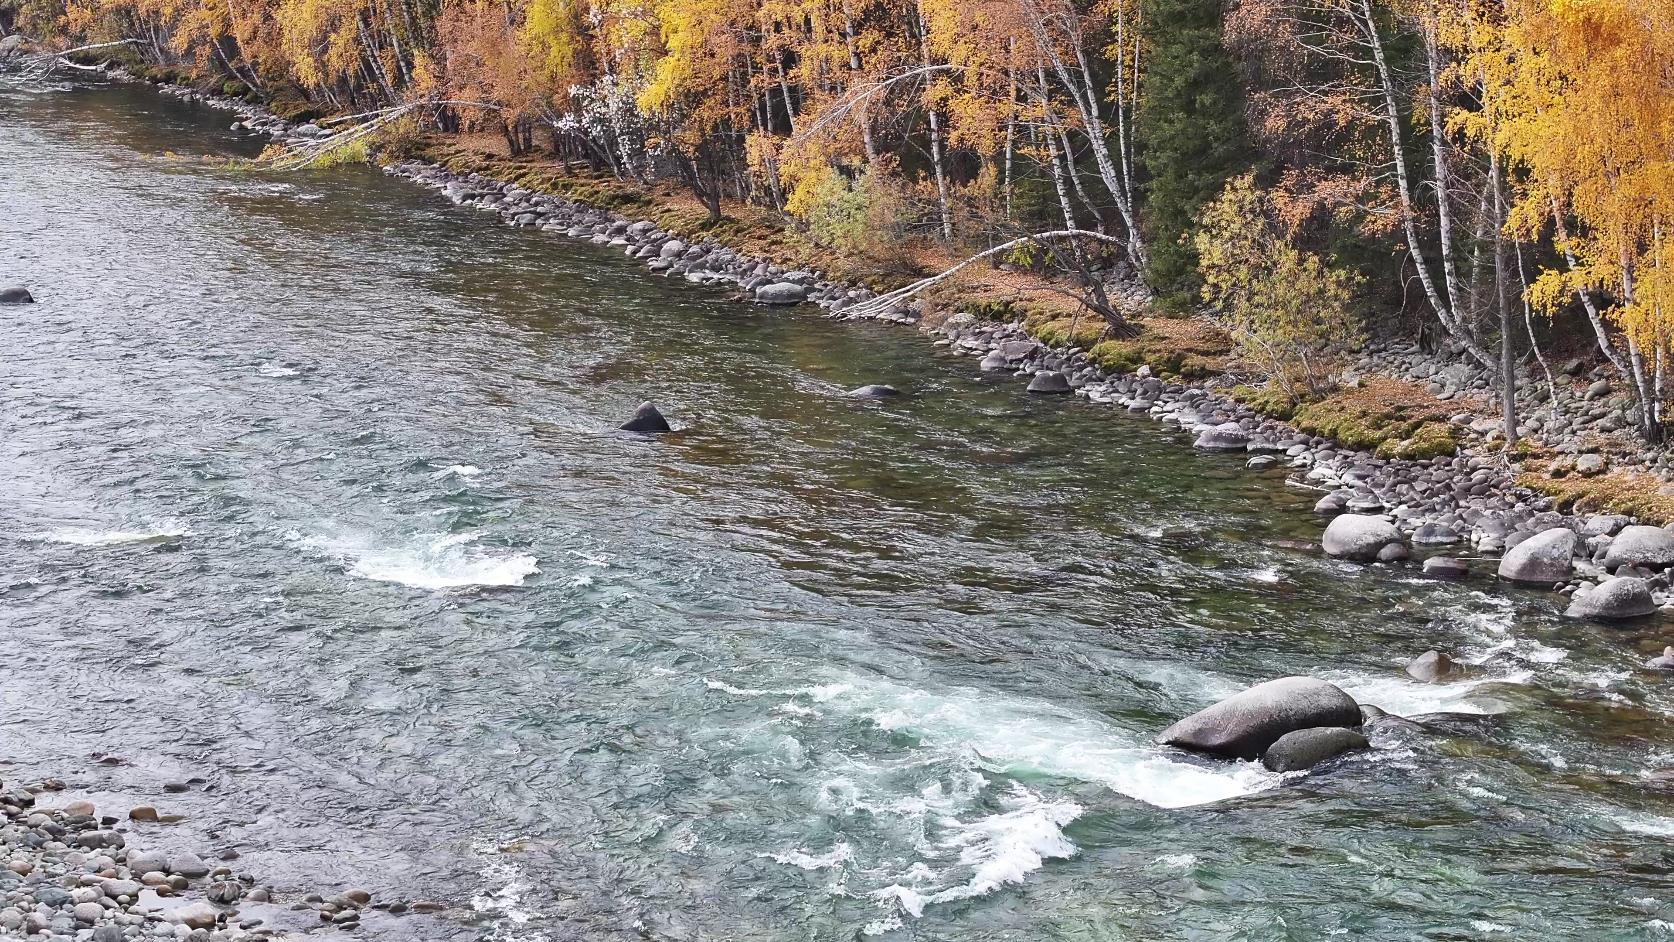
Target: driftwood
x=36 y=67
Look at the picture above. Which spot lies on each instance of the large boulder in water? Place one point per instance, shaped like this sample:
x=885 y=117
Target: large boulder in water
x=16 y=294
x=1433 y=667
x=646 y=419
x=782 y=292
x=1651 y=547
x=1613 y=600
x=1542 y=559
x=1306 y=748
x=1243 y=725
x=1359 y=537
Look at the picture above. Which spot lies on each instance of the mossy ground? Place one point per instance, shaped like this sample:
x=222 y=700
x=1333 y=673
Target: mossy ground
x=1390 y=417
x=1620 y=492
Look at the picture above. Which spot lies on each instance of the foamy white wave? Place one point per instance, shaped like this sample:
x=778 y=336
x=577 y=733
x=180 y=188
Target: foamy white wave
x=839 y=853
x=89 y=536
x=277 y=371
x=1483 y=925
x=1010 y=734
x=993 y=851
x=426 y=561
x=507 y=902
x=1267 y=575
x=1642 y=823
x=1405 y=697
x=1527 y=650
x=466 y=471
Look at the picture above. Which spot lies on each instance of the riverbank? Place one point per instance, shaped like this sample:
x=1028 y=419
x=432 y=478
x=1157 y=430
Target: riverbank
x=73 y=870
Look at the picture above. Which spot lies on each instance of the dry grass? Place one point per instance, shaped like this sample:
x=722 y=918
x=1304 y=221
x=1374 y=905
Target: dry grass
x=1392 y=417
x=1621 y=492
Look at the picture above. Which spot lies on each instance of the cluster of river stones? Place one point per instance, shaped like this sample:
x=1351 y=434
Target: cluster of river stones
x=70 y=873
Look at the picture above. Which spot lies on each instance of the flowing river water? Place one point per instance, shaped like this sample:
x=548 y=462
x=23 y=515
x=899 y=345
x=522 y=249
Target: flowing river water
x=311 y=491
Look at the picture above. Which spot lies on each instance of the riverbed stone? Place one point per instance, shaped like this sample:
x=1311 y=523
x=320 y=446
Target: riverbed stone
x=1359 y=537
x=1544 y=559
x=16 y=294
x=646 y=420
x=1446 y=567
x=1306 y=748
x=1618 y=599
x=1243 y=725
x=188 y=864
x=1228 y=436
x=782 y=292
x=1650 y=547
x=1433 y=667
x=1050 y=383
x=1663 y=661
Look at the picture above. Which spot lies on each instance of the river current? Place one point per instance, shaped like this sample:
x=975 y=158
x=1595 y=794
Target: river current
x=310 y=493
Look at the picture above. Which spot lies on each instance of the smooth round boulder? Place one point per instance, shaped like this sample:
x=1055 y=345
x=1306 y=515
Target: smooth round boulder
x=782 y=292
x=1049 y=383
x=1613 y=600
x=1435 y=534
x=1650 y=547
x=1306 y=748
x=995 y=360
x=1243 y=725
x=646 y=420
x=1433 y=667
x=16 y=294
x=1228 y=436
x=1542 y=559
x=874 y=391
x=1359 y=537
x=1663 y=661
x=1394 y=553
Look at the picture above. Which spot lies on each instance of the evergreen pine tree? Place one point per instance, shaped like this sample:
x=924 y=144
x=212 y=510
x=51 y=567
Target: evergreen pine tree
x=1191 y=132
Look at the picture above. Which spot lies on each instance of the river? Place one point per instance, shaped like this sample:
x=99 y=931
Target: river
x=312 y=492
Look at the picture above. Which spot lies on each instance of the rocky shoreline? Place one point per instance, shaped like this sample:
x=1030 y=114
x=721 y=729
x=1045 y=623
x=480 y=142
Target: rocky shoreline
x=72 y=872
x=1459 y=512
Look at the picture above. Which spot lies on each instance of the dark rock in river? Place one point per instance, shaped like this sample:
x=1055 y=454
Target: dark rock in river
x=1613 y=600
x=1650 y=547
x=874 y=391
x=1243 y=725
x=1446 y=567
x=16 y=294
x=1049 y=383
x=1543 y=559
x=1435 y=534
x=646 y=419
x=1433 y=667
x=1307 y=748
x=1359 y=537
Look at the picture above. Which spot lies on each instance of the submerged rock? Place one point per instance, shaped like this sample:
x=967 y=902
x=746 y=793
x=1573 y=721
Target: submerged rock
x=1049 y=383
x=16 y=294
x=1650 y=547
x=1359 y=537
x=1663 y=661
x=1613 y=600
x=1306 y=748
x=874 y=391
x=1243 y=725
x=1542 y=559
x=646 y=419
x=782 y=292
x=1446 y=567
